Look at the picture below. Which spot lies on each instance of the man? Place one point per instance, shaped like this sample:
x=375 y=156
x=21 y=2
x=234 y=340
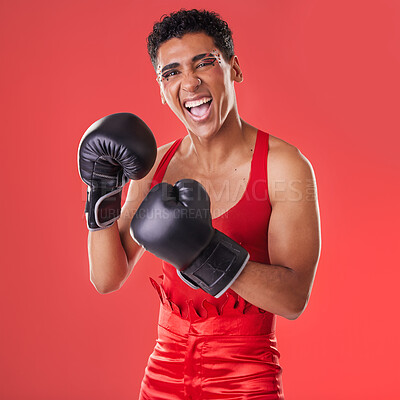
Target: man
x=255 y=193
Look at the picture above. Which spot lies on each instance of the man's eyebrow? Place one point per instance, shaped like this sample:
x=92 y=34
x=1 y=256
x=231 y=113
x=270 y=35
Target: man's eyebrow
x=169 y=66
x=195 y=58
x=200 y=56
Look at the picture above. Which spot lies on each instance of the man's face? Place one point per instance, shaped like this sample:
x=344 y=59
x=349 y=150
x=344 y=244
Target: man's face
x=196 y=82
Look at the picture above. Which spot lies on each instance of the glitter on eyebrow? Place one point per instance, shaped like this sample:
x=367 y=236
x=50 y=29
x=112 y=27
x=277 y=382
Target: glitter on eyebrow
x=159 y=76
x=217 y=54
x=162 y=76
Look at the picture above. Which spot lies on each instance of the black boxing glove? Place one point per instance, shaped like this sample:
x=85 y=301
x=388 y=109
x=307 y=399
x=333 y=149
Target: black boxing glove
x=174 y=223
x=113 y=150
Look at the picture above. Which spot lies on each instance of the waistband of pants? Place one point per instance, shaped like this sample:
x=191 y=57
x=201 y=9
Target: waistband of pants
x=229 y=323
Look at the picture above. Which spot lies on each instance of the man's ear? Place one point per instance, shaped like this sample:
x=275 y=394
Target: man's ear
x=236 y=71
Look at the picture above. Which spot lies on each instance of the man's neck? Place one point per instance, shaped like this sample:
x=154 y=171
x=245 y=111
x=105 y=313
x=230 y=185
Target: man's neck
x=227 y=146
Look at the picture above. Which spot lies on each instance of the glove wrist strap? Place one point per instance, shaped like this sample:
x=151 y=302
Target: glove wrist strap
x=217 y=266
x=103 y=208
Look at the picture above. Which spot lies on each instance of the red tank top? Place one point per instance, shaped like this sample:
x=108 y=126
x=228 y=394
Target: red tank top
x=246 y=223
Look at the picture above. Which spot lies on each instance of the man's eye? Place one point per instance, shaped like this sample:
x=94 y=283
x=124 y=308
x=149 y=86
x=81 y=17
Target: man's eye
x=168 y=74
x=206 y=62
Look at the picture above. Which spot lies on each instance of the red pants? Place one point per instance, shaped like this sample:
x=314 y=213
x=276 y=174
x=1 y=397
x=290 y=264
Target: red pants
x=219 y=357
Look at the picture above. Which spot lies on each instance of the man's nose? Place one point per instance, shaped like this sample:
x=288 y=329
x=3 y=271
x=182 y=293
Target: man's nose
x=190 y=83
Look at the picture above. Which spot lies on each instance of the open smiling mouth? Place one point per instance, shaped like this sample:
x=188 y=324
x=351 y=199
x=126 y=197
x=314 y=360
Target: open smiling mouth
x=199 y=109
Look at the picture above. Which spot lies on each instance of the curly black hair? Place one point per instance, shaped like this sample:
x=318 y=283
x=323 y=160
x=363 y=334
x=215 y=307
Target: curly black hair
x=178 y=23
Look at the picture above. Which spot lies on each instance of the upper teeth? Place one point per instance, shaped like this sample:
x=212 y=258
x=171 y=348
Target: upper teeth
x=195 y=103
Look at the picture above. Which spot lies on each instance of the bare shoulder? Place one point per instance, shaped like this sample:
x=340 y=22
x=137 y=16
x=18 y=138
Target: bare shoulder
x=284 y=158
x=288 y=169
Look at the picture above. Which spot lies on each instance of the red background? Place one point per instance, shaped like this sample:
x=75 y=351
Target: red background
x=322 y=75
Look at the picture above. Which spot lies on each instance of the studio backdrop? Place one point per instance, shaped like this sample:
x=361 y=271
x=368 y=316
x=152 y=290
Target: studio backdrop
x=321 y=75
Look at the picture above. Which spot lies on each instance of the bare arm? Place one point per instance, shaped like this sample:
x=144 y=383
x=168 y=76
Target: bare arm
x=112 y=251
x=284 y=287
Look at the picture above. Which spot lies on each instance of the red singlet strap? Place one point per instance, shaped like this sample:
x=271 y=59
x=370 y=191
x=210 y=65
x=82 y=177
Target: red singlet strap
x=259 y=173
x=162 y=166
x=259 y=166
